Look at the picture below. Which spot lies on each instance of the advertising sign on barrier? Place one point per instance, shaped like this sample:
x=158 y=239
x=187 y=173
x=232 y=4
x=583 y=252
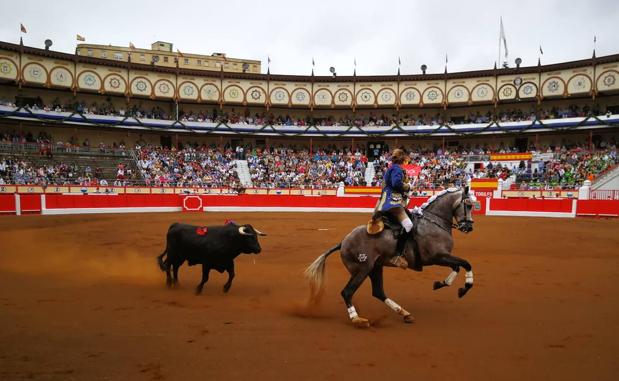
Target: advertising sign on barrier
x=137 y=190
x=163 y=190
x=57 y=189
x=29 y=189
x=8 y=189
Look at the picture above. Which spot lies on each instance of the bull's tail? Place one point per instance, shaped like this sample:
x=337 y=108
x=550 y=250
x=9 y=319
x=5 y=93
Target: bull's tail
x=163 y=264
x=316 y=272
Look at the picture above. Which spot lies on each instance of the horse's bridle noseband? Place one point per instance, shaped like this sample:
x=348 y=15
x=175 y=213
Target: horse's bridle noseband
x=465 y=225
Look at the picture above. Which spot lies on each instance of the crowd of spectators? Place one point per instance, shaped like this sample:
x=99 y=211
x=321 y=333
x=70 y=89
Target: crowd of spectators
x=286 y=167
x=192 y=166
x=565 y=166
x=448 y=117
x=47 y=146
x=29 y=171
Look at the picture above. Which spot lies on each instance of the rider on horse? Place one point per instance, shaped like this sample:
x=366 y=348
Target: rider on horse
x=394 y=199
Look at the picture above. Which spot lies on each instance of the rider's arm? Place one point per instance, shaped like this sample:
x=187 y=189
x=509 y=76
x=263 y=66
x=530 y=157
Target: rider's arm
x=397 y=181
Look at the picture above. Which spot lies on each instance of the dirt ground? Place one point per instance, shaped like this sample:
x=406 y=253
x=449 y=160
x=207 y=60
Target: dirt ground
x=81 y=298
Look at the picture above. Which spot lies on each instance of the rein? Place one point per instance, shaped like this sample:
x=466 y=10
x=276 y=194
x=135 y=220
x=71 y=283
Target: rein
x=439 y=221
x=443 y=222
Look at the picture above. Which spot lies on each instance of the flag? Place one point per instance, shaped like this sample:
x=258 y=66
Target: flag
x=79 y=38
x=22 y=28
x=131 y=45
x=399 y=61
x=313 y=63
x=595 y=39
x=502 y=37
x=446 y=59
x=540 y=50
x=181 y=54
x=269 y=60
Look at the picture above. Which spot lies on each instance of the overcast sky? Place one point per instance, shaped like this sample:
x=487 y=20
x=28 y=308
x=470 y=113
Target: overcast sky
x=334 y=33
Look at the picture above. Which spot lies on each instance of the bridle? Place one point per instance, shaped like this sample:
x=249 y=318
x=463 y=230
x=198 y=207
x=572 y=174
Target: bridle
x=465 y=225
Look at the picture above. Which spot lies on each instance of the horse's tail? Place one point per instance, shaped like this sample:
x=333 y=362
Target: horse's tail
x=163 y=265
x=316 y=271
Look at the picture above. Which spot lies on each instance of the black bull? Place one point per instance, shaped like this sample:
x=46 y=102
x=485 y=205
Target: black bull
x=213 y=247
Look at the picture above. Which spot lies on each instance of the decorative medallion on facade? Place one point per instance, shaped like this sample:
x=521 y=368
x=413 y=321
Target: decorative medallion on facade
x=553 y=86
x=609 y=79
x=279 y=95
x=255 y=94
x=458 y=93
x=366 y=96
x=528 y=89
x=5 y=68
x=141 y=86
x=114 y=83
x=35 y=71
x=432 y=95
x=322 y=96
x=209 y=91
x=482 y=91
x=385 y=96
x=60 y=76
x=300 y=96
x=580 y=82
x=409 y=95
x=188 y=90
x=507 y=92
x=234 y=93
x=164 y=88
x=342 y=96
x=90 y=80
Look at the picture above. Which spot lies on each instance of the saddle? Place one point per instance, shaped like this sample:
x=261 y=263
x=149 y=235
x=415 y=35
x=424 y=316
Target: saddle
x=381 y=220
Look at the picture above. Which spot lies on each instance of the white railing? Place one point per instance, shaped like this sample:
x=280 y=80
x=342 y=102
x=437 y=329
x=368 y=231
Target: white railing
x=606 y=194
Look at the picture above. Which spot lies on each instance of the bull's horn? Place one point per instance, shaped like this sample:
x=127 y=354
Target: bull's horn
x=243 y=232
x=259 y=232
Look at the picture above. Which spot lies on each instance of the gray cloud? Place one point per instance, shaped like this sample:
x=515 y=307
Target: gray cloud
x=334 y=33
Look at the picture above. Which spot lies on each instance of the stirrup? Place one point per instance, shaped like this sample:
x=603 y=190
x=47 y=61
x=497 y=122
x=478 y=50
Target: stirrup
x=399 y=261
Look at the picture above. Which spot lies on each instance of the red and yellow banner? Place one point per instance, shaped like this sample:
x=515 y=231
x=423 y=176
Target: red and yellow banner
x=485 y=184
x=510 y=156
x=363 y=190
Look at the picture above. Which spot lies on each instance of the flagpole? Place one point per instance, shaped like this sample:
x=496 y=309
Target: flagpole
x=500 y=24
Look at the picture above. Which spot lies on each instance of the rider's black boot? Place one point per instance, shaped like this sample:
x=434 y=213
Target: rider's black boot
x=399 y=260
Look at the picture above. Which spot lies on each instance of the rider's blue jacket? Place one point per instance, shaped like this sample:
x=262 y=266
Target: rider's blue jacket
x=394 y=189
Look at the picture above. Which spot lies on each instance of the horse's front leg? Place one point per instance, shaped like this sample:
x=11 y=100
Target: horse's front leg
x=378 y=291
x=455 y=263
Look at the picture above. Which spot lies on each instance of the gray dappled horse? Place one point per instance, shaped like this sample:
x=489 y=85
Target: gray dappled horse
x=365 y=255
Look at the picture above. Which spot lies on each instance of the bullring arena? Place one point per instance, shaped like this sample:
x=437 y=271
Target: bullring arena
x=102 y=150
x=90 y=303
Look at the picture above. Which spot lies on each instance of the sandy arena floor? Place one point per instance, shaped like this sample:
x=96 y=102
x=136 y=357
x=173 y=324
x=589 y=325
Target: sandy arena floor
x=81 y=298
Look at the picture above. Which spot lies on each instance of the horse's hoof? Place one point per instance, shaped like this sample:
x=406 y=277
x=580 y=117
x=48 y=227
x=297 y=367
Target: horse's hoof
x=198 y=291
x=438 y=285
x=463 y=290
x=409 y=319
x=360 y=322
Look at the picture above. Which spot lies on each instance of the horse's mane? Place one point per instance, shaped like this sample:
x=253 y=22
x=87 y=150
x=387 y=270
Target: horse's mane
x=439 y=195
